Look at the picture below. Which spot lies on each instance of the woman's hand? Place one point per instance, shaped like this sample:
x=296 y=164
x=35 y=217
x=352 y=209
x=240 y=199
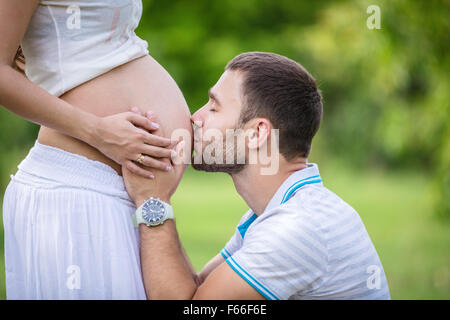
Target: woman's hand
x=124 y=138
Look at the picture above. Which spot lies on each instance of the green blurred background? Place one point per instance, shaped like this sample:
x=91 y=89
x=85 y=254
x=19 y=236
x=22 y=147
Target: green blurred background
x=384 y=144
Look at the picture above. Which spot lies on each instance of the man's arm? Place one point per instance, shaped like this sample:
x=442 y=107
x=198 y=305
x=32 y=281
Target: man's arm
x=166 y=270
x=167 y=273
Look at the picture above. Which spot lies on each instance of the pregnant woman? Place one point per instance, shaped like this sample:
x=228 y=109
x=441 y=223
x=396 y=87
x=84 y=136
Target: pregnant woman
x=66 y=213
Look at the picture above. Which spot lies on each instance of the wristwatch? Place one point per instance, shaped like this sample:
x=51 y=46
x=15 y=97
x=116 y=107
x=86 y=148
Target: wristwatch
x=152 y=212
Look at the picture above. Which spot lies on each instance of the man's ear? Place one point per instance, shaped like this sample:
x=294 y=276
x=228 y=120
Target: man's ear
x=259 y=132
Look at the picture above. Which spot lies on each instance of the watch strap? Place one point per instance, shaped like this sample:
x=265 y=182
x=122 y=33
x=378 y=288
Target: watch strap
x=169 y=211
x=137 y=217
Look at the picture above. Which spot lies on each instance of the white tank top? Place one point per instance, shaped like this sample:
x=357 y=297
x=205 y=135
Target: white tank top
x=70 y=42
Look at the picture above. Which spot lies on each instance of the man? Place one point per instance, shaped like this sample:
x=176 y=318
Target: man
x=298 y=240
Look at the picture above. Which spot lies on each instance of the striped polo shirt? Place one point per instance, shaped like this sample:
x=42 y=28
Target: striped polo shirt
x=307 y=244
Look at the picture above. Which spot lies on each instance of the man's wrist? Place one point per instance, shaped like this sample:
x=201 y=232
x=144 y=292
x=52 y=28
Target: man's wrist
x=139 y=202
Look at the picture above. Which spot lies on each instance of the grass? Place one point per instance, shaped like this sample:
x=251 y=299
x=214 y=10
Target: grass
x=395 y=207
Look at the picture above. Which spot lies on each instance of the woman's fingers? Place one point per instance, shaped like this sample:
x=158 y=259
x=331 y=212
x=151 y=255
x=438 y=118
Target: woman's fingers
x=177 y=157
x=142 y=121
x=155 y=145
x=157 y=164
x=133 y=167
x=152 y=139
x=155 y=140
x=136 y=110
x=156 y=152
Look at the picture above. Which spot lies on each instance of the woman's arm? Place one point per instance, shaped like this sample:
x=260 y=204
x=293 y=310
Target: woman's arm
x=115 y=136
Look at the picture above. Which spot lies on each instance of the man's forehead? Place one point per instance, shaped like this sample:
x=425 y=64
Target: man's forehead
x=228 y=87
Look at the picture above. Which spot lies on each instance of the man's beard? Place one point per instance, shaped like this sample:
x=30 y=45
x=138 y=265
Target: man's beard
x=238 y=163
x=224 y=167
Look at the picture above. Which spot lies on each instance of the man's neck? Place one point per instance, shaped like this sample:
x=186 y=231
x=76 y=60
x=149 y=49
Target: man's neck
x=256 y=189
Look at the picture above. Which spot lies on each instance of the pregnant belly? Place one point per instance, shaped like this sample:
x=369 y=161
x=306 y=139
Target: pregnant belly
x=141 y=83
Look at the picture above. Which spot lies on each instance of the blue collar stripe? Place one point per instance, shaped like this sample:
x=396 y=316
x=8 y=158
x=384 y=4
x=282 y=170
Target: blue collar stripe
x=243 y=227
x=297 y=185
x=294 y=185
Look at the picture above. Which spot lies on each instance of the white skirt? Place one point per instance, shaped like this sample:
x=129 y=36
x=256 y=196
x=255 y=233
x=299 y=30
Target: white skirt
x=68 y=230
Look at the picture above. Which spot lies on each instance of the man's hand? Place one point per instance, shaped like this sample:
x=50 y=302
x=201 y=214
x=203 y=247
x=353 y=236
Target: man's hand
x=162 y=186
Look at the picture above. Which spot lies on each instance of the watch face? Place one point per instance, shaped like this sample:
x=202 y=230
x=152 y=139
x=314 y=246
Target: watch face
x=153 y=211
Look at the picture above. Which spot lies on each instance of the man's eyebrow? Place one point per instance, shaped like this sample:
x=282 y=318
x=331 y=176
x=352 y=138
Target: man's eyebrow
x=213 y=96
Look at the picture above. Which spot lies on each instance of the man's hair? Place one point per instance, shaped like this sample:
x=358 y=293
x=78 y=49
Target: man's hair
x=282 y=91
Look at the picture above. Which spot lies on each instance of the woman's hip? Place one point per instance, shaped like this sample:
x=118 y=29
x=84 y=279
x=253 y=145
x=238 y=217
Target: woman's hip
x=56 y=139
x=67 y=216
x=62 y=193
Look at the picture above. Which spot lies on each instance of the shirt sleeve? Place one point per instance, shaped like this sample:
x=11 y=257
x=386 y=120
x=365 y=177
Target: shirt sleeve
x=235 y=241
x=281 y=256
